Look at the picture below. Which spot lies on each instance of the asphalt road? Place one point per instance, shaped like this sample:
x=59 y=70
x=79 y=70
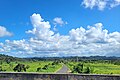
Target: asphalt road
x=64 y=69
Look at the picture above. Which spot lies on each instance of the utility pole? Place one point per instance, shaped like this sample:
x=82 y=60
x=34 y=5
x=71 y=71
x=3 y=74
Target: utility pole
x=77 y=58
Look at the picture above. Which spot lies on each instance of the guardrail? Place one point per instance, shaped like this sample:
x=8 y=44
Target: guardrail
x=52 y=76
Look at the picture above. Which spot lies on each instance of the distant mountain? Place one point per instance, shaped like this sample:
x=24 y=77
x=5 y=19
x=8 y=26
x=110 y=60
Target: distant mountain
x=72 y=58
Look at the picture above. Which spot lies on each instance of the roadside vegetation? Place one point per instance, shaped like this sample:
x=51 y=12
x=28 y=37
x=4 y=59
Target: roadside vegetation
x=94 y=67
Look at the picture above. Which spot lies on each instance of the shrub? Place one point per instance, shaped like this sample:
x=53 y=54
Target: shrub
x=87 y=70
x=1 y=68
x=55 y=63
x=39 y=69
x=45 y=67
x=20 y=68
x=27 y=67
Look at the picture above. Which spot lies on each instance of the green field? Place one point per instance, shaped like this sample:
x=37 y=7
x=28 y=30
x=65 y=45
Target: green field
x=32 y=66
x=82 y=65
x=98 y=68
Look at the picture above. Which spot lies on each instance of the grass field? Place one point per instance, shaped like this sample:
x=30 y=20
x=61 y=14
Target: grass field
x=98 y=68
x=32 y=66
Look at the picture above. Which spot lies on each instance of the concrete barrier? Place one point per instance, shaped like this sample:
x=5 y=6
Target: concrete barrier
x=37 y=76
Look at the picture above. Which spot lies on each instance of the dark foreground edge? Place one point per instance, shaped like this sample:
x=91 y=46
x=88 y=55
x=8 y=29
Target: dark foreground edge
x=53 y=76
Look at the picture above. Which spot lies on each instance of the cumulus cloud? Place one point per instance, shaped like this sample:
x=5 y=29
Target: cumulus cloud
x=58 y=21
x=4 y=32
x=41 y=29
x=95 y=40
x=100 y=4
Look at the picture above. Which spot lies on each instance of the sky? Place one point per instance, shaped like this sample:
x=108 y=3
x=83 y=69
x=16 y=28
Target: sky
x=50 y=28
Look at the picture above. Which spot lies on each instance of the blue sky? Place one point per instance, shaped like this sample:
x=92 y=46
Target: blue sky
x=63 y=16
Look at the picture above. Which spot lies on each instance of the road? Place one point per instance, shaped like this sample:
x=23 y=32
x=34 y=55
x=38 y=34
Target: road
x=64 y=69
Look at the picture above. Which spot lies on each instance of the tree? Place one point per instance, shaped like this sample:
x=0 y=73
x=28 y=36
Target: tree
x=20 y=68
x=1 y=68
x=8 y=61
x=87 y=70
x=1 y=62
x=78 y=68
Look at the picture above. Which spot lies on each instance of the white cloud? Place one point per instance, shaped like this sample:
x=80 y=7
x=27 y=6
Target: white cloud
x=4 y=32
x=58 y=21
x=100 y=4
x=77 y=34
x=41 y=29
x=94 y=34
x=114 y=37
x=115 y=3
x=79 y=42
